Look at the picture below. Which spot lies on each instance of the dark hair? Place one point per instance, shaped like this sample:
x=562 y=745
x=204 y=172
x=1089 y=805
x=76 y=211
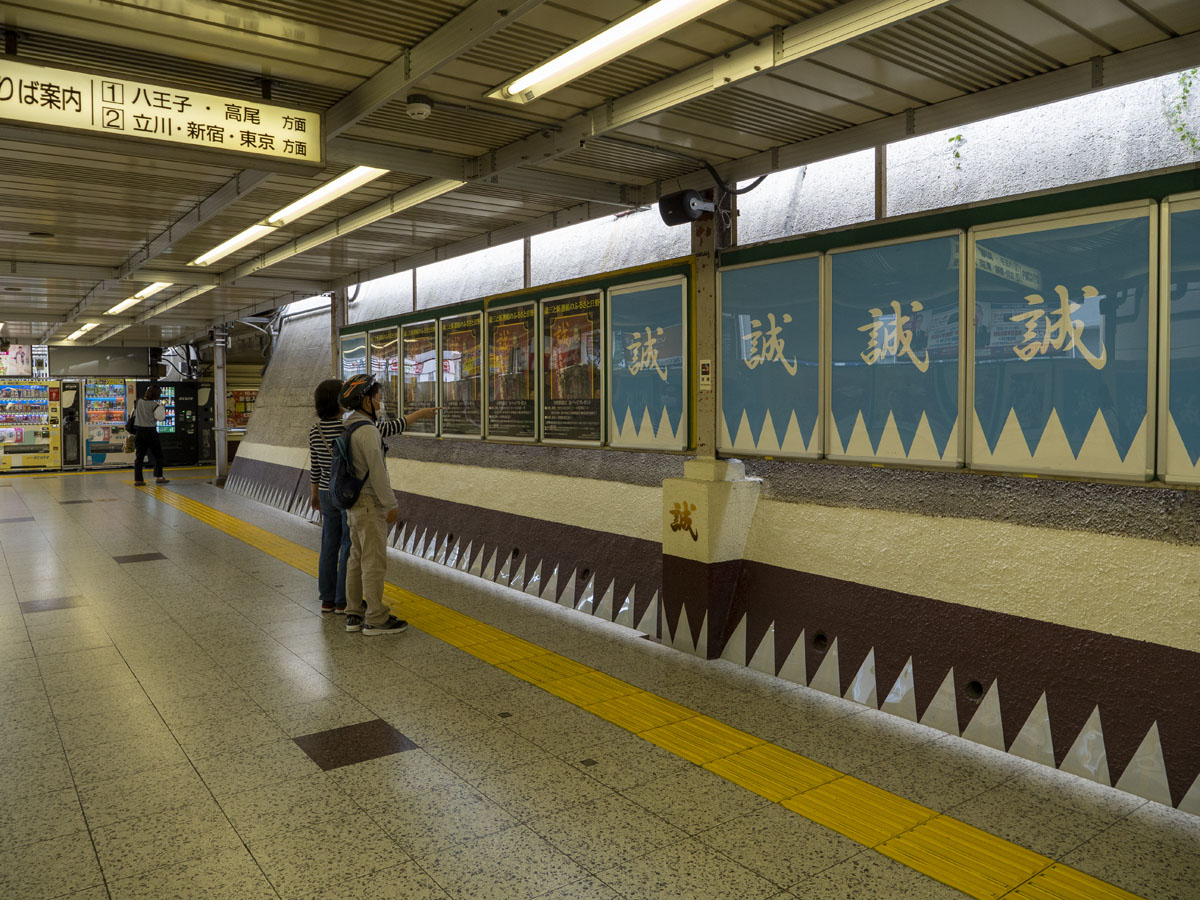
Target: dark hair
x=153 y=392
x=325 y=398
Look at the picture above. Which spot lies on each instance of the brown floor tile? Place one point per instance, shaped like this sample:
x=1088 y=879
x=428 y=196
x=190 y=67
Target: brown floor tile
x=138 y=557
x=353 y=744
x=36 y=606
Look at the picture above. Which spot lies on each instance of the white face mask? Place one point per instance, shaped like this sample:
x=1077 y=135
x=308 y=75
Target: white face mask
x=381 y=410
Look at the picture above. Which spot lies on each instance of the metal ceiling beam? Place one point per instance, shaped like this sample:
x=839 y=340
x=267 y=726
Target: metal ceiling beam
x=76 y=272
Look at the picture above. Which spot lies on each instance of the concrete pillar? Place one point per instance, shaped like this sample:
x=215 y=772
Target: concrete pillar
x=337 y=321
x=881 y=181
x=219 y=412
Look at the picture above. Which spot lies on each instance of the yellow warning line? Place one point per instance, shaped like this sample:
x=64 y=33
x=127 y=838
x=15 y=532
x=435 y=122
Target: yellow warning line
x=975 y=862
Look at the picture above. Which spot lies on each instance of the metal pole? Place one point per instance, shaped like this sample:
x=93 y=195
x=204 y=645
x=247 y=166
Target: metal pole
x=222 y=448
x=881 y=181
x=337 y=320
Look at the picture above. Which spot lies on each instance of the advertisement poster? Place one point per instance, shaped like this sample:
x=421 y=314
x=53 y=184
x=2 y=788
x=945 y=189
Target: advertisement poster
x=512 y=367
x=17 y=360
x=648 y=324
x=770 y=341
x=571 y=375
x=462 y=348
x=420 y=373
x=385 y=363
x=238 y=406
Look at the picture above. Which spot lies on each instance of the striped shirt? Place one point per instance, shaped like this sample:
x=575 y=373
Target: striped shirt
x=320 y=445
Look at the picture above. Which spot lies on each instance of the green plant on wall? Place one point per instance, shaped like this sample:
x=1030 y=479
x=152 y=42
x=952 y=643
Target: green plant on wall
x=1179 y=106
x=956 y=143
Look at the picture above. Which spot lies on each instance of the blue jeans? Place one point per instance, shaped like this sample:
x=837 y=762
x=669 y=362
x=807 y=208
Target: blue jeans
x=335 y=550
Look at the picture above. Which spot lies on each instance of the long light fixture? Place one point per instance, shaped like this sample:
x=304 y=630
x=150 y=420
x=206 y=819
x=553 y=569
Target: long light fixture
x=148 y=291
x=83 y=329
x=623 y=36
x=237 y=242
x=331 y=190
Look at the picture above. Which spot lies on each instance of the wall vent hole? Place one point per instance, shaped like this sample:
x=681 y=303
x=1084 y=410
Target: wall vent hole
x=974 y=690
x=584 y=575
x=516 y=552
x=449 y=540
x=820 y=641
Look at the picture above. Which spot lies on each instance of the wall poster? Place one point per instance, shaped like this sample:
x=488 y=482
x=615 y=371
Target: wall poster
x=895 y=385
x=572 y=380
x=1064 y=315
x=462 y=379
x=420 y=373
x=354 y=355
x=1179 y=372
x=384 y=349
x=512 y=372
x=648 y=369
x=770 y=397
x=17 y=360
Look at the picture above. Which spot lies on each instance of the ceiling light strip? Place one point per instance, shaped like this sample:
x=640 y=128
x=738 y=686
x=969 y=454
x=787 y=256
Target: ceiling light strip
x=326 y=193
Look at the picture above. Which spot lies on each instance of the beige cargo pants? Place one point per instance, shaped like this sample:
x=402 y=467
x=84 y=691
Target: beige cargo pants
x=367 y=566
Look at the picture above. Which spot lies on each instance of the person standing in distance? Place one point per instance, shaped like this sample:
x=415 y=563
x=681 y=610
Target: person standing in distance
x=374 y=510
x=147 y=413
x=335 y=524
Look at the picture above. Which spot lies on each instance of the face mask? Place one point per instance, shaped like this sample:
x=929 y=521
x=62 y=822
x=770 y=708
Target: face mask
x=380 y=410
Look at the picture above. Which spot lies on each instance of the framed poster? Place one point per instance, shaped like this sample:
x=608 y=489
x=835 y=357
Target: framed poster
x=512 y=372
x=354 y=355
x=17 y=360
x=384 y=349
x=572 y=380
x=1063 y=331
x=895 y=380
x=770 y=336
x=420 y=379
x=1179 y=366
x=462 y=378
x=648 y=371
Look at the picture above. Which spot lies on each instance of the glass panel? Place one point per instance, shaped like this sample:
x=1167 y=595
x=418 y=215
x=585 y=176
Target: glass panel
x=512 y=364
x=648 y=368
x=354 y=355
x=571 y=376
x=770 y=336
x=385 y=363
x=420 y=374
x=462 y=345
x=1183 y=385
x=1062 y=349
x=895 y=375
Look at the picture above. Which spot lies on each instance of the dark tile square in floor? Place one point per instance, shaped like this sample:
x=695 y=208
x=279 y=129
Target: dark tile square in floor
x=353 y=744
x=138 y=557
x=65 y=502
x=16 y=519
x=33 y=606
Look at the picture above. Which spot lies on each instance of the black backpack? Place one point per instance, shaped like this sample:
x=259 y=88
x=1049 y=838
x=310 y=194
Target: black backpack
x=344 y=488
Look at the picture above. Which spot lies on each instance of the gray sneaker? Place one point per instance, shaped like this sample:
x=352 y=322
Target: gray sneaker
x=354 y=623
x=391 y=626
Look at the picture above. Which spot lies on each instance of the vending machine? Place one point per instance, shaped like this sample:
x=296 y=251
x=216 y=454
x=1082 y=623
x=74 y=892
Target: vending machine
x=106 y=408
x=71 y=435
x=179 y=431
x=30 y=413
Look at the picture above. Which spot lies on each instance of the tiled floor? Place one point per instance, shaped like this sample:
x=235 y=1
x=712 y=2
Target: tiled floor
x=179 y=721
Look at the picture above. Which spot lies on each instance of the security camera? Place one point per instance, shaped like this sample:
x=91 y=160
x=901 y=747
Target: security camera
x=418 y=107
x=683 y=207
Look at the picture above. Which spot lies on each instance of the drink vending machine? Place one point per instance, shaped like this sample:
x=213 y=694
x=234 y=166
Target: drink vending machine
x=72 y=431
x=179 y=431
x=107 y=404
x=30 y=424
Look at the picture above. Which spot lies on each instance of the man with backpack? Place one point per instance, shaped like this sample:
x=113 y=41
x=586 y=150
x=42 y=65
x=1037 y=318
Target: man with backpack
x=374 y=509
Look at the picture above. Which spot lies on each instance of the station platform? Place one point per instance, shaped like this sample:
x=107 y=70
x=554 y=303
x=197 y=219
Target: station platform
x=181 y=721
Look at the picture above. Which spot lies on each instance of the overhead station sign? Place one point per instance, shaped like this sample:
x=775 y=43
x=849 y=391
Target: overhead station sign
x=36 y=95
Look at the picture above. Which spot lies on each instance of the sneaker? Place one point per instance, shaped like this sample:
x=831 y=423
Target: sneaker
x=391 y=626
x=328 y=607
x=339 y=610
x=162 y=480
x=354 y=623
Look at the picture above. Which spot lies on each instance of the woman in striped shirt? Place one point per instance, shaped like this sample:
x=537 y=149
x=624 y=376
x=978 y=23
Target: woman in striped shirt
x=335 y=529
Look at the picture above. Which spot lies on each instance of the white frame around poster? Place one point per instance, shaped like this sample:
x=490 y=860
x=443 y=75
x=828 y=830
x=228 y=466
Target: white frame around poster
x=441 y=391
x=437 y=355
x=541 y=313
x=1169 y=468
x=610 y=419
x=817 y=439
x=1116 y=212
x=399 y=368
x=964 y=418
x=537 y=378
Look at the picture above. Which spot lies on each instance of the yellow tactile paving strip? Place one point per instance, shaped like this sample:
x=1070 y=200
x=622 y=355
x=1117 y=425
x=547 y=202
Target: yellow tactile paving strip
x=975 y=862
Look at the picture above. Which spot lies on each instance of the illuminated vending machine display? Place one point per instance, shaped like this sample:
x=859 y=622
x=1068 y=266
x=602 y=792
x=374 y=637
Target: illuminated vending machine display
x=167 y=425
x=29 y=424
x=105 y=411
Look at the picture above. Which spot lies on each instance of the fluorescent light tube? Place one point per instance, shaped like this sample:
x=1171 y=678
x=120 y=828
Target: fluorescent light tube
x=237 y=242
x=621 y=37
x=331 y=190
x=83 y=329
x=148 y=291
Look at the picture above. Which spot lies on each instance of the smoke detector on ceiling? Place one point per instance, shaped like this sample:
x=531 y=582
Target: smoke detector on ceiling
x=418 y=107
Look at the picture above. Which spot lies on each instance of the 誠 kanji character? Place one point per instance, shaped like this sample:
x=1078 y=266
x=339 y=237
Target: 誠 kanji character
x=1058 y=330
x=645 y=354
x=771 y=348
x=892 y=339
